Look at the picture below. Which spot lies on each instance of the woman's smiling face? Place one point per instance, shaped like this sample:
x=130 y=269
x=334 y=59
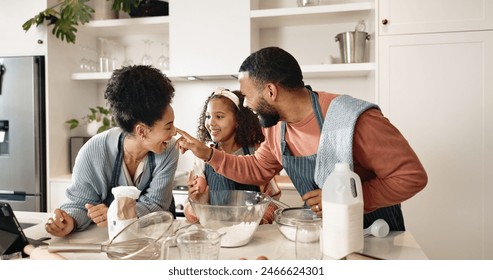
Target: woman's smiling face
x=220 y=120
x=161 y=132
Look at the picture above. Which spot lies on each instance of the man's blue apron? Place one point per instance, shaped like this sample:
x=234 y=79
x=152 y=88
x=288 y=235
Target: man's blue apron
x=301 y=170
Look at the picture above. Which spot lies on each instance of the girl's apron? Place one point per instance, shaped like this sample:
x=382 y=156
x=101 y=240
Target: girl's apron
x=217 y=182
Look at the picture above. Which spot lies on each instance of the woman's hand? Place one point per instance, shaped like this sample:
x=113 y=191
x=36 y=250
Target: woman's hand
x=61 y=224
x=98 y=214
x=313 y=199
x=187 y=142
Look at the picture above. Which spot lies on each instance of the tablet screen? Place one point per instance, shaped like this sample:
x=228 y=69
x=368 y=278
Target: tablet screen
x=11 y=235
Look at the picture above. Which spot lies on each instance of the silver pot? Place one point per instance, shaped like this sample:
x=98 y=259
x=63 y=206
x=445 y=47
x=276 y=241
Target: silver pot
x=352 y=45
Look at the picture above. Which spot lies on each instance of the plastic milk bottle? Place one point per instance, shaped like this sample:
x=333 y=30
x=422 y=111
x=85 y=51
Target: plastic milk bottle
x=342 y=213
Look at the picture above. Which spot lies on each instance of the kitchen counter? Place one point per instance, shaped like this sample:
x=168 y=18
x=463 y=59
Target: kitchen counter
x=267 y=241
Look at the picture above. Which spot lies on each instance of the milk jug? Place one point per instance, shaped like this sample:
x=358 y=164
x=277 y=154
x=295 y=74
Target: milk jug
x=342 y=213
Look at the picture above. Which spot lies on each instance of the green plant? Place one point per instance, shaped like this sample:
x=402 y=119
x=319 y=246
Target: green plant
x=98 y=114
x=66 y=15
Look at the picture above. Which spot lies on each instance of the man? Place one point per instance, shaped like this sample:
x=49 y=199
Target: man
x=296 y=119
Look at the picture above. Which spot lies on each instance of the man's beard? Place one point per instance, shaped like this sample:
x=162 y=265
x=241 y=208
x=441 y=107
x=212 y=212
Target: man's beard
x=267 y=114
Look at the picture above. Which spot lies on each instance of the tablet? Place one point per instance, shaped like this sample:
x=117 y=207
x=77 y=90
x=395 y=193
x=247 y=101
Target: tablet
x=12 y=237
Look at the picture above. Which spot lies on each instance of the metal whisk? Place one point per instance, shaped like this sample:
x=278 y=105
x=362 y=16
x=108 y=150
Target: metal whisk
x=146 y=231
x=134 y=249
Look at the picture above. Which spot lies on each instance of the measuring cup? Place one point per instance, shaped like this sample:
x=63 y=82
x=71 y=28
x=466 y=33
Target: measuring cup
x=200 y=244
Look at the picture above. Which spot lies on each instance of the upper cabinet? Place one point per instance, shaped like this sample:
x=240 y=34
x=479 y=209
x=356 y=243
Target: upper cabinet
x=15 y=41
x=424 y=16
x=309 y=33
x=208 y=37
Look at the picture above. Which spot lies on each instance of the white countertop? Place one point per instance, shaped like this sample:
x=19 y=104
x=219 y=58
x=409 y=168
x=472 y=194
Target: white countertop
x=267 y=241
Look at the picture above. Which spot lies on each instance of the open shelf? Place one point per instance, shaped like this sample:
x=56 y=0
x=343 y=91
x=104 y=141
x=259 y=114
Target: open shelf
x=127 y=26
x=337 y=70
x=309 y=71
x=323 y=14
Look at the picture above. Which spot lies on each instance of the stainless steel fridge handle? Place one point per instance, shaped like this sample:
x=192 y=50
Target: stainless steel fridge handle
x=2 y=70
x=12 y=195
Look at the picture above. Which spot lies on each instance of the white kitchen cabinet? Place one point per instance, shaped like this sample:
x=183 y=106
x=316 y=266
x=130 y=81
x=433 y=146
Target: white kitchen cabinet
x=56 y=192
x=15 y=41
x=437 y=89
x=208 y=37
x=426 y=16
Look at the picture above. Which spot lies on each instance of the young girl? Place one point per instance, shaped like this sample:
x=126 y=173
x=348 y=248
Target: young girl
x=228 y=126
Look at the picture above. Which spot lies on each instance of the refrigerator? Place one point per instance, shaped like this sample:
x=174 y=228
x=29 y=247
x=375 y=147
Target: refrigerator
x=23 y=133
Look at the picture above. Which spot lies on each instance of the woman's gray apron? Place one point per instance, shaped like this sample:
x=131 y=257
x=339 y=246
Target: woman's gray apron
x=301 y=170
x=218 y=182
x=117 y=168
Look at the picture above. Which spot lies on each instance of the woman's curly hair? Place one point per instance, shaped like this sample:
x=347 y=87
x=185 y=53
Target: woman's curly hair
x=138 y=94
x=248 y=133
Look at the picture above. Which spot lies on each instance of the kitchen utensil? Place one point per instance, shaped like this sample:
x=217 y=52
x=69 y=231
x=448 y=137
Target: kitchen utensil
x=151 y=230
x=288 y=218
x=379 y=228
x=184 y=227
x=200 y=244
x=238 y=213
x=137 y=249
x=307 y=242
x=352 y=45
x=279 y=204
x=170 y=240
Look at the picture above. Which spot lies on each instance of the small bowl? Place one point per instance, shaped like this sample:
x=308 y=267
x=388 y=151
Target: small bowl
x=288 y=218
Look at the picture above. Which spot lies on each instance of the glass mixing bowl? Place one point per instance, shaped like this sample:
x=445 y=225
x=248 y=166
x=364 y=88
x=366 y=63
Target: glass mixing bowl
x=234 y=212
x=288 y=218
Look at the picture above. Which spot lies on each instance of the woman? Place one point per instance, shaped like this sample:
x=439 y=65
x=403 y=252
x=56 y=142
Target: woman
x=140 y=152
x=235 y=129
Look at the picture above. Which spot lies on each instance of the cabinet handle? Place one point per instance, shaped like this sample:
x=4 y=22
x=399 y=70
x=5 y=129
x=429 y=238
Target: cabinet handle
x=385 y=21
x=40 y=42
